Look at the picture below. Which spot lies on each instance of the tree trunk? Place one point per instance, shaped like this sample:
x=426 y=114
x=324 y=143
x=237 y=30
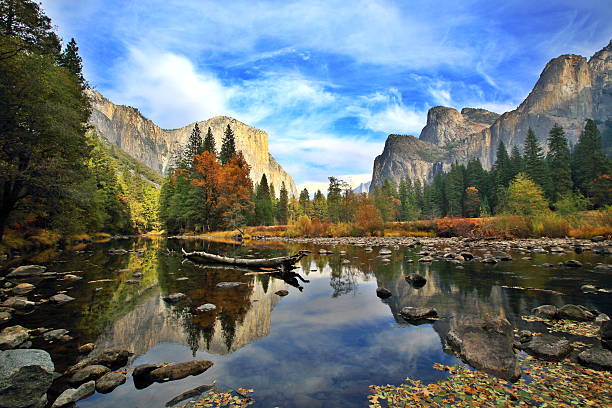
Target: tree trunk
x=282 y=262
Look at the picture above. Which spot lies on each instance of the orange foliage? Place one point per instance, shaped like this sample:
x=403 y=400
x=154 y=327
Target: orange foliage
x=368 y=219
x=457 y=227
x=235 y=196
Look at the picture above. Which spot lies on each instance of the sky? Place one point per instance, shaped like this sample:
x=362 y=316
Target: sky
x=328 y=80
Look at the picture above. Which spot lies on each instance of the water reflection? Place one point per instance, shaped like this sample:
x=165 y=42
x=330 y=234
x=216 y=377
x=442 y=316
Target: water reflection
x=320 y=346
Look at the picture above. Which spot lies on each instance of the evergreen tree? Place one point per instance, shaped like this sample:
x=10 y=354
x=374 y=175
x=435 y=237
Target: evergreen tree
x=502 y=167
x=454 y=189
x=228 y=146
x=209 y=143
x=334 y=197
x=588 y=159
x=283 y=205
x=305 y=204
x=472 y=203
x=535 y=165
x=71 y=60
x=516 y=161
x=320 y=206
x=193 y=148
x=263 y=204
x=558 y=159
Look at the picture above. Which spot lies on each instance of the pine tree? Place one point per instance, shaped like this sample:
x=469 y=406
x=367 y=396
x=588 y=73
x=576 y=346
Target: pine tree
x=228 y=146
x=502 y=166
x=558 y=159
x=454 y=189
x=193 y=148
x=305 y=204
x=516 y=161
x=209 y=143
x=71 y=60
x=263 y=204
x=283 y=205
x=320 y=206
x=535 y=165
x=334 y=196
x=588 y=159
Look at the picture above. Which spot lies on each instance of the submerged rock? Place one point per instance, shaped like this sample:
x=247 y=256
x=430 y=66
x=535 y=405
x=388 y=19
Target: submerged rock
x=61 y=298
x=23 y=288
x=206 y=307
x=179 y=370
x=25 y=377
x=545 y=312
x=112 y=359
x=418 y=313
x=12 y=337
x=485 y=344
x=281 y=292
x=19 y=304
x=175 y=297
x=572 y=263
x=88 y=373
x=416 y=280
x=547 y=347
x=227 y=285
x=575 y=312
x=72 y=395
x=426 y=259
x=385 y=251
x=109 y=382
x=383 y=293
x=597 y=358
x=26 y=271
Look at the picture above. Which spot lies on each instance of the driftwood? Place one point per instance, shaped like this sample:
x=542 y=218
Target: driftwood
x=283 y=262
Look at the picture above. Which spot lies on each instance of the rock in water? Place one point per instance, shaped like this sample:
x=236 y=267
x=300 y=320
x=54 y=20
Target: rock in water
x=485 y=344
x=179 y=370
x=575 y=312
x=112 y=359
x=418 y=313
x=88 y=373
x=416 y=280
x=20 y=304
x=61 y=298
x=548 y=347
x=206 y=307
x=23 y=288
x=605 y=332
x=545 y=312
x=25 y=377
x=26 y=271
x=175 y=297
x=87 y=348
x=12 y=337
x=597 y=358
x=281 y=292
x=383 y=293
x=227 y=285
x=109 y=382
x=72 y=395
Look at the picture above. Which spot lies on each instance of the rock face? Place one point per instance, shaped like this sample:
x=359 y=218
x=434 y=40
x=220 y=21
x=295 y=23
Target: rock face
x=569 y=91
x=142 y=139
x=25 y=377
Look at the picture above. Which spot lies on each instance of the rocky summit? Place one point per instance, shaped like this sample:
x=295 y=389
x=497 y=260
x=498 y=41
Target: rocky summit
x=127 y=128
x=570 y=90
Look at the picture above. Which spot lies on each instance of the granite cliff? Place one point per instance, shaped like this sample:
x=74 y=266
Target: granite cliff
x=570 y=90
x=127 y=128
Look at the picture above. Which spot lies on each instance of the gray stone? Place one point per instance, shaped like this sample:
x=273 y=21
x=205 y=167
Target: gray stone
x=61 y=298
x=179 y=370
x=112 y=359
x=175 y=297
x=545 y=312
x=12 y=337
x=548 y=347
x=227 y=285
x=72 y=395
x=88 y=373
x=468 y=256
x=143 y=370
x=109 y=382
x=55 y=335
x=383 y=293
x=575 y=312
x=206 y=307
x=26 y=271
x=418 y=313
x=597 y=358
x=5 y=317
x=25 y=377
x=23 y=288
x=19 y=304
x=572 y=263
x=87 y=348
x=281 y=292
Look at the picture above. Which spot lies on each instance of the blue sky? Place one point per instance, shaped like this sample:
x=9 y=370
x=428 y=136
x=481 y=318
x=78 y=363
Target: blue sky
x=328 y=80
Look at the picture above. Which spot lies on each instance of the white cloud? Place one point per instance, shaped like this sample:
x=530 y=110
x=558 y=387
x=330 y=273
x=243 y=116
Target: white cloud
x=168 y=88
x=354 y=180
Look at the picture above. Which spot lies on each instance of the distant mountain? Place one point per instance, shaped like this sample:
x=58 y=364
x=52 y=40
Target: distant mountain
x=139 y=137
x=569 y=91
x=362 y=188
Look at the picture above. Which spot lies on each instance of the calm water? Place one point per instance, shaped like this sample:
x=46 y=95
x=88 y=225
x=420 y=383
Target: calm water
x=320 y=346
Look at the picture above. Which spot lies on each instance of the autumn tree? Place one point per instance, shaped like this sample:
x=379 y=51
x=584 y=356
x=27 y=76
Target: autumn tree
x=368 y=220
x=525 y=197
x=208 y=178
x=471 y=206
x=235 y=202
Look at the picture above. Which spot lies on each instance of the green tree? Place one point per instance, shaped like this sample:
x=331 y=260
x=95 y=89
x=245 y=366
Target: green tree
x=228 y=146
x=194 y=147
x=558 y=159
x=588 y=159
x=535 y=165
x=320 y=206
x=525 y=197
x=209 y=143
x=516 y=161
x=283 y=205
x=264 y=214
x=454 y=190
x=502 y=167
x=334 y=198
x=305 y=203
x=71 y=60
x=472 y=204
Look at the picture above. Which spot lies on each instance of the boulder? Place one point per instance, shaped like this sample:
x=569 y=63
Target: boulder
x=87 y=348
x=112 y=359
x=416 y=280
x=143 y=370
x=383 y=293
x=545 y=312
x=19 y=304
x=281 y=292
x=575 y=312
x=468 y=256
x=485 y=344
x=206 y=307
x=385 y=251
x=88 y=373
x=572 y=263
x=605 y=332
x=72 y=395
x=25 y=377
x=418 y=313
x=180 y=370
x=61 y=298
x=175 y=297
x=109 y=382
x=26 y=271
x=57 y=335
x=547 y=347
x=5 y=317
x=597 y=358
x=12 y=337
x=23 y=288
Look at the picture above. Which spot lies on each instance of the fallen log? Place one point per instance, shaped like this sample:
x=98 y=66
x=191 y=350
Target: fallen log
x=284 y=262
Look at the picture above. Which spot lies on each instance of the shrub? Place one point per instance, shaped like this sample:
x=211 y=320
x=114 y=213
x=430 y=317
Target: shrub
x=525 y=197
x=549 y=225
x=571 y=204
x=301 y=228
x=456 y=227
x=368 y=220
x=341 y=229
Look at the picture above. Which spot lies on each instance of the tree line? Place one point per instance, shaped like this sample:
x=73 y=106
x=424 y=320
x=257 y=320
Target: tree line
x=55 y=173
